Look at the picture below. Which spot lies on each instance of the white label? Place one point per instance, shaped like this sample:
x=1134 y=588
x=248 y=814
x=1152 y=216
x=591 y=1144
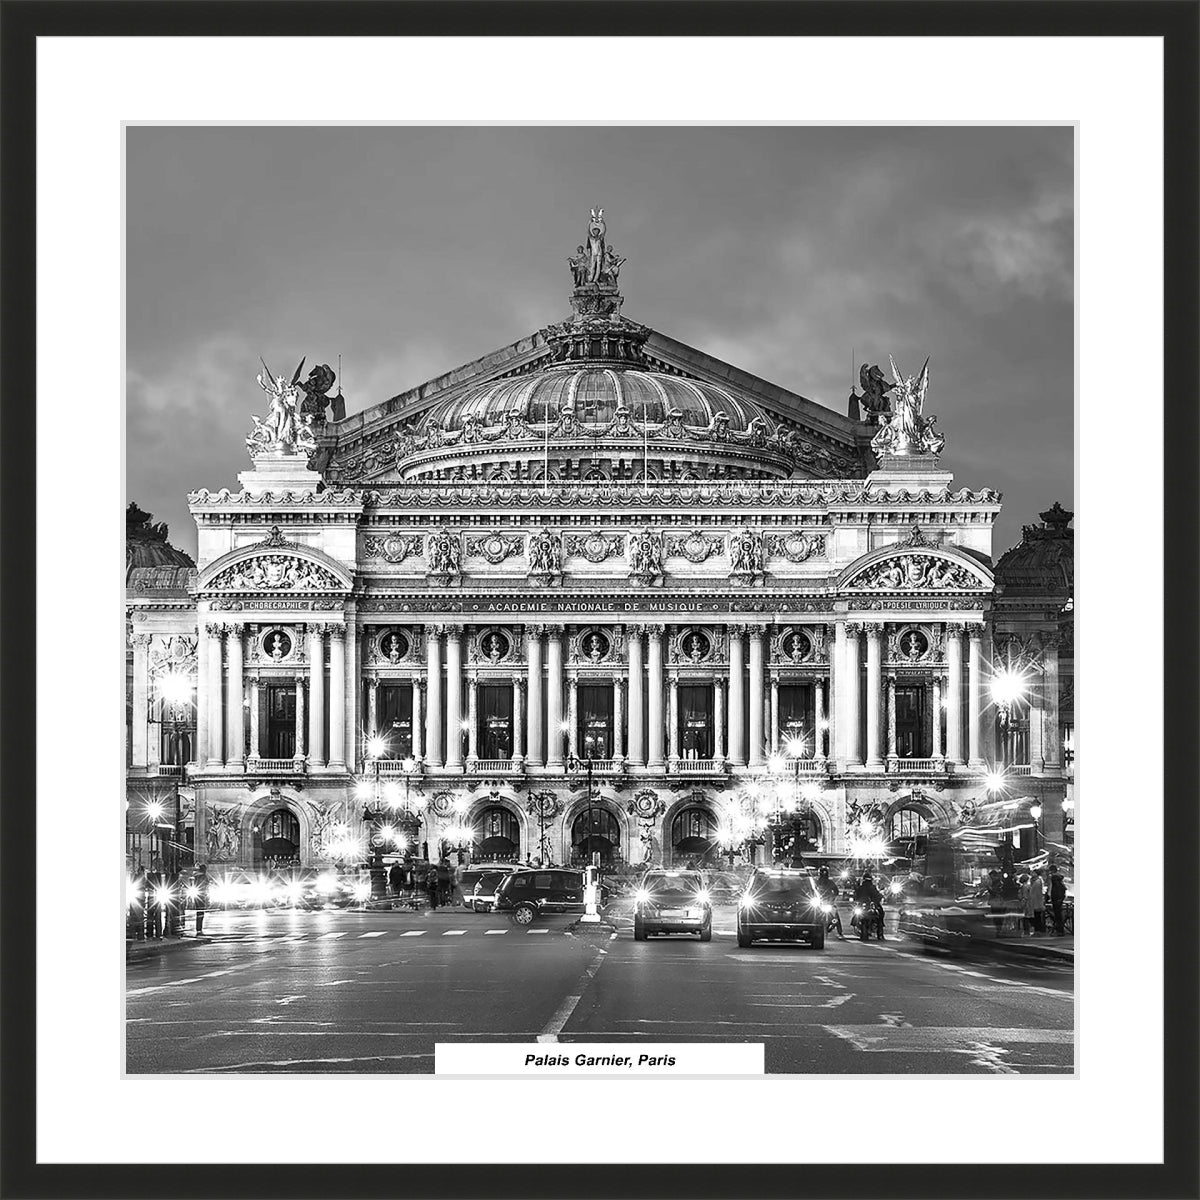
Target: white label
x=599 y=1058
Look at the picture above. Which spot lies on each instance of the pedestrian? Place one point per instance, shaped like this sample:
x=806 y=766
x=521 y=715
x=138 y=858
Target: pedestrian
x=200 y=882
x=1026 y=904
x=154 y=899
x=445 y=881
x=431 y=885
x=396 y=879
x=871 y=899
x=1058 y=897
x=137 y=903
x=1037 y=902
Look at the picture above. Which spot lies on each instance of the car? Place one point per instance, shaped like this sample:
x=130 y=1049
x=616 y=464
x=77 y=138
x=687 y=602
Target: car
x=479 y=885
x=781 y=904
x=529 y=894
x=672 y=902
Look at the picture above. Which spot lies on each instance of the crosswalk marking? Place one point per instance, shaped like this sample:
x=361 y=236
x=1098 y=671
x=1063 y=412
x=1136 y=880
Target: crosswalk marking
x=454 y=933
x=376 y=933
x=490 y=932
x=414 y=933
x=531 y=932
x=337 y=933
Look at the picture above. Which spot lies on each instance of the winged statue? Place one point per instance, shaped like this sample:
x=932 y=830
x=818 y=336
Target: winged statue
x=906 y=430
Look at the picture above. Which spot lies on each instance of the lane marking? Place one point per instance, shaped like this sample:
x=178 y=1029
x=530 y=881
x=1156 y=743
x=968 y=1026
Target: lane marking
x=563 y=1013
x=375 y=933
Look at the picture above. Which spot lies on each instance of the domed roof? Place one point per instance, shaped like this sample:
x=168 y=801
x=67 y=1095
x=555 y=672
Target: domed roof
x=1043 y=562
x=596 y=396
x=146 y=545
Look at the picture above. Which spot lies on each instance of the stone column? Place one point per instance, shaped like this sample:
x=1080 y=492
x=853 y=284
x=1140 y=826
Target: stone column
x=954 y=634
x=819 y=719
x=536 y=753
x=372 y=708
x=316 y=696
x=141 y=701
x=756 y=696
x=673 y=720
x=1052 y=738
x=216 y=738
x=433 y=697
x=737 y=698
x=573 y=717
x=518 y=711
x=654 y=688
x=200 y=749
x=351 y=686
x=937 y=716
x=891 y=723
x=235 y=733
x=618 y=738
x=418 y=719
x=775 y=731
x=852 y=700
x=974 y=694
x=255 y=744
x=874 y=690
x=472 y=720
x=299 y=752
x=718 y=720
x=637 y=745
x=337 y=697
x=454 y=698
x=554 y=698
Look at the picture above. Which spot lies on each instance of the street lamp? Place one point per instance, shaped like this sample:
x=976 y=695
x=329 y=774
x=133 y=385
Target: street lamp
x=1007 y=688
x=1035 y=811
x=573 y=764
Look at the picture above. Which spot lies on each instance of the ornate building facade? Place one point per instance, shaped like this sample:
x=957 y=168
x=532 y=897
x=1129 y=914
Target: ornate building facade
x=593 y=592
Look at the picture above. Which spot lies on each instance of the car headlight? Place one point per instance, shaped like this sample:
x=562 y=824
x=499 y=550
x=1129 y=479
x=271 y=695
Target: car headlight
x=702 y=896
x=824 y=907
x=858 y=910
x=746 y=900
x=641 y=896
x=896 y=888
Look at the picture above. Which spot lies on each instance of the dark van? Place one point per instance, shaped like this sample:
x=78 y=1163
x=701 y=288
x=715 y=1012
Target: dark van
x=527 y=894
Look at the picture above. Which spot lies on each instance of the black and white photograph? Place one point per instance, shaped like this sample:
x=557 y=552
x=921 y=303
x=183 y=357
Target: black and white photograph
x=600 y=589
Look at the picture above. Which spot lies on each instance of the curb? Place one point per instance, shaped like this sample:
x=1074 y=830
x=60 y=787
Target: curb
x=1029 y=950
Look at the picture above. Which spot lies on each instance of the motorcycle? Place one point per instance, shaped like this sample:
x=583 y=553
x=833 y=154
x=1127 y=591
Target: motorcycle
x=867 y=919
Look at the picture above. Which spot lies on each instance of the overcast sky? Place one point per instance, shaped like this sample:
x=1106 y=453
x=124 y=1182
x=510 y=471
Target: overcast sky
x=785 y=251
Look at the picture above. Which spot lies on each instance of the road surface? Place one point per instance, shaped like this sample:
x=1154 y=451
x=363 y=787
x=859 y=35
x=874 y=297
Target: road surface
x=373 y=992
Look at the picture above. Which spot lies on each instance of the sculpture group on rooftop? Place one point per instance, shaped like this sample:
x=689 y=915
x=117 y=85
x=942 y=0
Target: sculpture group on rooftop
x=595 y=263
x=906 y=430
x=288 y=425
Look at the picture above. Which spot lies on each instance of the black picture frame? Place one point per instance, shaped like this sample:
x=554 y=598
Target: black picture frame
x=1176 y=22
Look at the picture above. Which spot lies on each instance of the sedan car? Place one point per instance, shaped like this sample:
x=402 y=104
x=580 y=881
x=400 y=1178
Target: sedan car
x=781 y=904
x=479 y=887
x=672 y=902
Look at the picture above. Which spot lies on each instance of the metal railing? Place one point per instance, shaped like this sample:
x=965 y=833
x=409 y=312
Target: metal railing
x=1019 y=769
x=696 y=766
x=275 y=766
x=391 y=766
x=168 y=769
x=493 y=766
x=901 y=766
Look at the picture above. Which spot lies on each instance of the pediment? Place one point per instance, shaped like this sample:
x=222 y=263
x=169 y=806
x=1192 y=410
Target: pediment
x=277 y=566
x=915 y=568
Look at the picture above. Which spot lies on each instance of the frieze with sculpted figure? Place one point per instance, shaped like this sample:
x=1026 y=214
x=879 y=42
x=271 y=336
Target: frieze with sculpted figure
x=393 y=547
x=494 y=547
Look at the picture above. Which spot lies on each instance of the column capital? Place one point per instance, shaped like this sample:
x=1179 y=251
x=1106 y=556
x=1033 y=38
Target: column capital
x=556 y=630
x=337 y=632
x=975 y=632
x=519 y=682
x=472 y=682
x=656 y=631
x=534 y=632
x=372 y=683
x=854 y=628
x=214 y=631
x=143 y=639
x=873 y=628
x=954 y=628
x=756 y=629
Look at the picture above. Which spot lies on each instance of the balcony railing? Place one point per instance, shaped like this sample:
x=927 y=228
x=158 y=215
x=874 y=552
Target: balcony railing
x=168 y=769
x=908 y=766
x=391 y=766
x=275 y=766
x=697 y=766
x=492 y=766
x=599 y=765
x=1019 y=769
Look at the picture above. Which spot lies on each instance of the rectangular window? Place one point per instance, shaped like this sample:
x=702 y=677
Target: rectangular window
x=914 y=736
x=696 y=720
x=596 y=719
x=495 y=720
x=281 y=720
x=394 y=714
x=796 y=716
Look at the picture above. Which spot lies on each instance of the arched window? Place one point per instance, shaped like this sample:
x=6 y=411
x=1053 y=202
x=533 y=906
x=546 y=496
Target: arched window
x=907 y=833
x=497 y=835
x=693 y=834
x=279 y=837
x=595 y=831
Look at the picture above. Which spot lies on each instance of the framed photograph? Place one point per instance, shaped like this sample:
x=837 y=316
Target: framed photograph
x=654 y=632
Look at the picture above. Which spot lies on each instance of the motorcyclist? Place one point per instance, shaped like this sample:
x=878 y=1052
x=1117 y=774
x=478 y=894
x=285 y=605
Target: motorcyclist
x=828 y=891
x=871 y=899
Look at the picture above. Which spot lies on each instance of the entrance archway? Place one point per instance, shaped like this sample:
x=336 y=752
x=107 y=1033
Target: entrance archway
x=693 y=836
x=496 y=836
x=277 y=840
x=596 y=831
